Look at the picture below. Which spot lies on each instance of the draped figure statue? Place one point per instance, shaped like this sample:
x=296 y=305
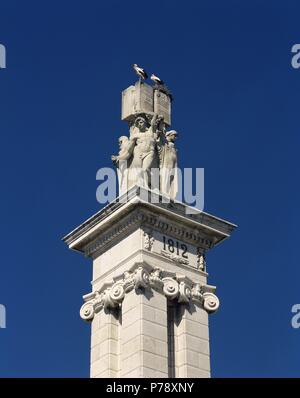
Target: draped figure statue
x=122 y=162
x=168 y=165
x=148 y=157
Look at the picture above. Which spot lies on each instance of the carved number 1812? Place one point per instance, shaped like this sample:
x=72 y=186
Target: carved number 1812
x=172 y=246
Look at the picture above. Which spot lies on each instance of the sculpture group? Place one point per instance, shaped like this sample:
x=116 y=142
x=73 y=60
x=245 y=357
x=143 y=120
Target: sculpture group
x=148 y=156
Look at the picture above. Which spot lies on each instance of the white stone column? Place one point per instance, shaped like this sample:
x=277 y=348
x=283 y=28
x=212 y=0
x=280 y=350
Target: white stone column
x=191 y=340
x=144 y=348
x=105 y=344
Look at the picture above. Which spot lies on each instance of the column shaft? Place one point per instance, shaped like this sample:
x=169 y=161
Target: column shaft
x=105 y=345
x=144 y=349
x=191 y=341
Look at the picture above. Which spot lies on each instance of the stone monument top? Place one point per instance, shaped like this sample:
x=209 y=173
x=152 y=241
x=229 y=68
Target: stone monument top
x=147 y=156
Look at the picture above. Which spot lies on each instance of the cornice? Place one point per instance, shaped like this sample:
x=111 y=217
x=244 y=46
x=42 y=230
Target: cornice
x=145 y=218
x=213 y=228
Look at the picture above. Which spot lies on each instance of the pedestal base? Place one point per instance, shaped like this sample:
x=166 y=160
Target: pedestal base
x=150 y=300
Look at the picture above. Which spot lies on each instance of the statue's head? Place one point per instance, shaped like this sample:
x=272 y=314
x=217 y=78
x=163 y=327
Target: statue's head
x=122 y=140
x=141 y=123
x=171 y=135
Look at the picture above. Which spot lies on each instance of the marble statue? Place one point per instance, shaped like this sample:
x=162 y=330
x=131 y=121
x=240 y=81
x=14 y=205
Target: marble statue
x=121 y=161
x=148 y=156
x=168 y=165
x=145 y=156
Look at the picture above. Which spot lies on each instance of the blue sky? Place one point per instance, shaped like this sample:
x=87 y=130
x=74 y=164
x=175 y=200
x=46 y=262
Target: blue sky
x=236 y=108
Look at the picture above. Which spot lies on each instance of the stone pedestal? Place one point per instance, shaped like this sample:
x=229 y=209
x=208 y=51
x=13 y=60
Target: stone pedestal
x=150 y=299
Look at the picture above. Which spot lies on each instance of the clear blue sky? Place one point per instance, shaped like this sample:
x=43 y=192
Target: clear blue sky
x=236 y=108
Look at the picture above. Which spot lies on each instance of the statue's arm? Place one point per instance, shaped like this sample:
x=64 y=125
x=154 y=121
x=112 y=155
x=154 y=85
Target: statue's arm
x=153 y=124
x=157 y=124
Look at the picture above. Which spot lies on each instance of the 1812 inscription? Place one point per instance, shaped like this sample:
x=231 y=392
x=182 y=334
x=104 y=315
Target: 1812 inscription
x=173 y=246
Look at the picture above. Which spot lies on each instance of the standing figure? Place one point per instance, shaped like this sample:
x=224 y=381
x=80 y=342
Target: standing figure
x=122 y=162
x=168 y=165
x=145 y=156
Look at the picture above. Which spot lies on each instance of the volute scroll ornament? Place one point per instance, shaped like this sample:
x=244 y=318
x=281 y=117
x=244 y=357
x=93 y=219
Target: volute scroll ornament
x=184 y=292
x=117 y=292
x=87 y=311
x=176 y=287
x=142 y=278
x=210 y=302
x=171 y=288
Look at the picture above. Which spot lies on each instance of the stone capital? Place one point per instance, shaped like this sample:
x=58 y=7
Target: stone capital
x=141 y=277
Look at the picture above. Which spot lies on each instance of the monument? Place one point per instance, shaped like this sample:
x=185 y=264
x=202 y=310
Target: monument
x=150 y=301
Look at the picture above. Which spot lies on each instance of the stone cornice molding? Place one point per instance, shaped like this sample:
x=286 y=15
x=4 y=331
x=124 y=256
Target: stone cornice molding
x=110 y=236
x=141 y=277
x=212 y=228
x=146 y=219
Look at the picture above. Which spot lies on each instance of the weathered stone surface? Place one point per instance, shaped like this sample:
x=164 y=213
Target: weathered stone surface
x=135 y=275
x=137 y=99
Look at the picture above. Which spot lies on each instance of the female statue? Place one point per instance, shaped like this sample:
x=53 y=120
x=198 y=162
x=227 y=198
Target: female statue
x=168 y=165
x=145 y=157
